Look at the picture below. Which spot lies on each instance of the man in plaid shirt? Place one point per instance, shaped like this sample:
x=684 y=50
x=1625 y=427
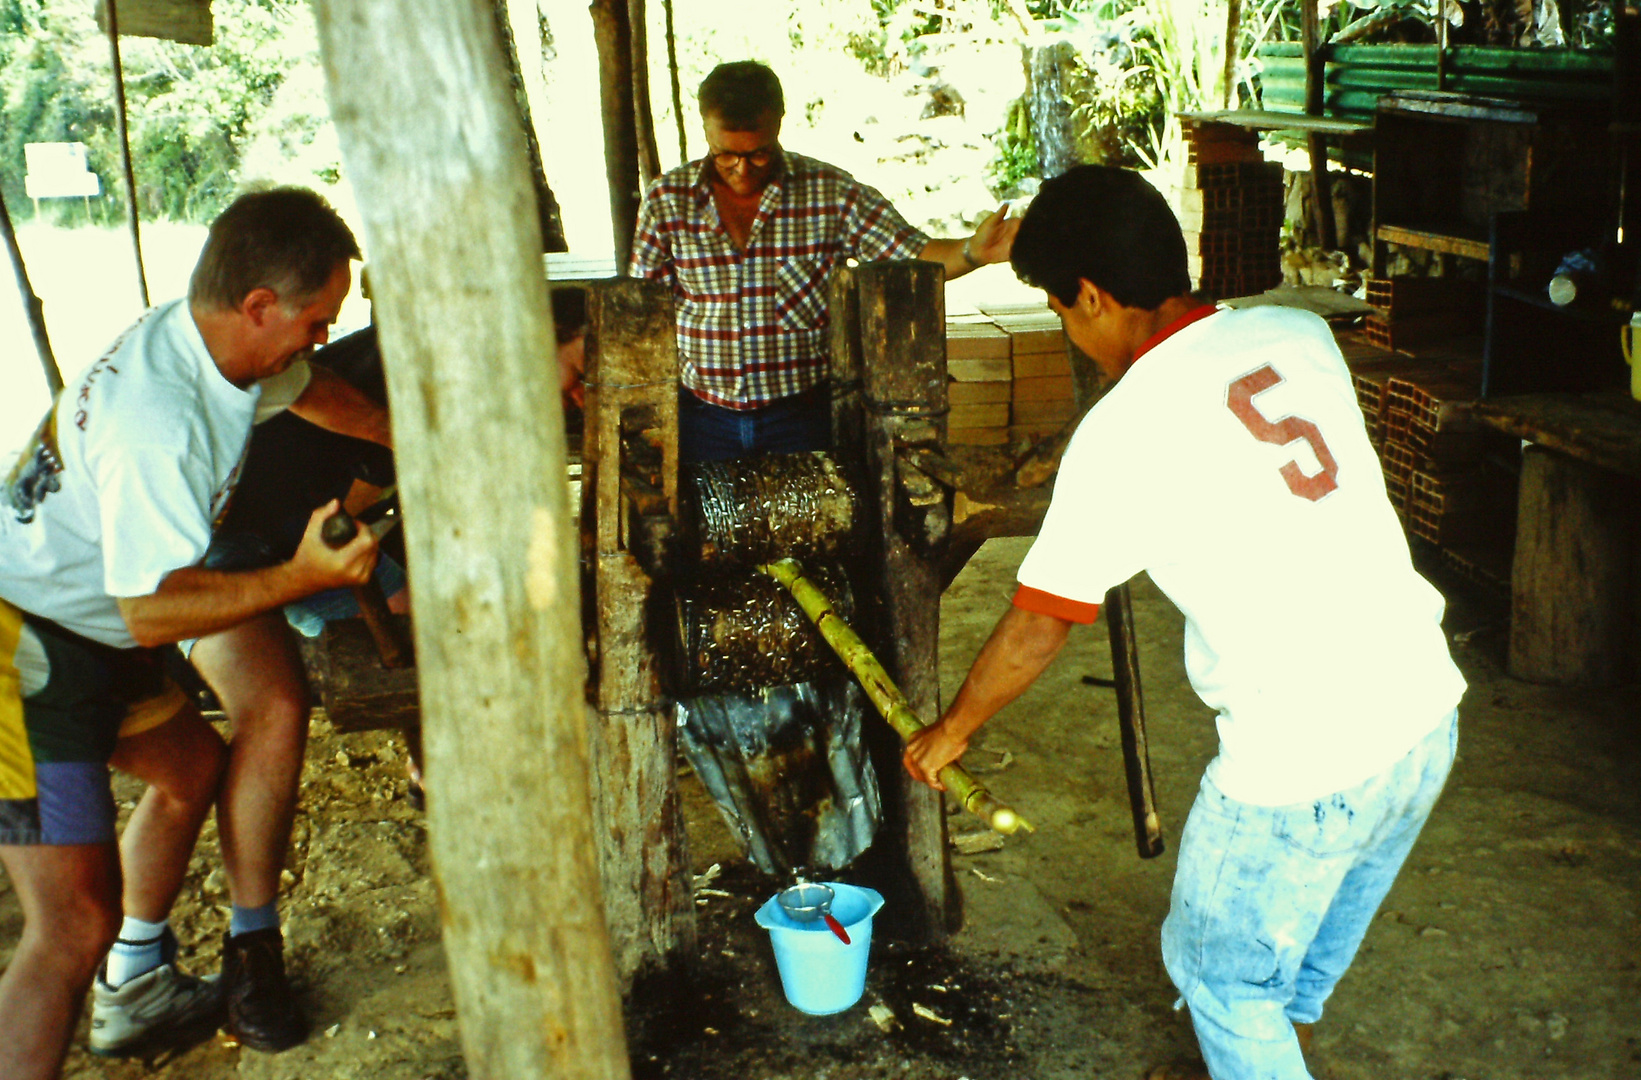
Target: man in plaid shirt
x=746 y=238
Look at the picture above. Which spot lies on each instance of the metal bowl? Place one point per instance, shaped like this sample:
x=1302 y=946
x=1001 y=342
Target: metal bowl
x=806 y=901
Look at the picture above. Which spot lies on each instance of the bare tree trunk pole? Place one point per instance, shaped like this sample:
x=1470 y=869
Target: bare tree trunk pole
x=1233 y=38
x=613 y=33
x=131 y=215
x=1315 y=69
x=31 y=304
x=677 y=87
x=431 y=141
x=649 y=153
x=552 y=219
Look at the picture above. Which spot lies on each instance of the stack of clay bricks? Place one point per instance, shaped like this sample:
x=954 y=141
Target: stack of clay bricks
x=1230 y=206
x=1010 y=375
x=1411 y=312
x=1417 y=411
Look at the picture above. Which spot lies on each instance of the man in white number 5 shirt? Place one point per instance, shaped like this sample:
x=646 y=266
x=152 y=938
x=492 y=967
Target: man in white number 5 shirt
x=1231 y=464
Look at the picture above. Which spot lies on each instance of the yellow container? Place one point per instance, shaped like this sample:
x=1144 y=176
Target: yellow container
x=1627 y=335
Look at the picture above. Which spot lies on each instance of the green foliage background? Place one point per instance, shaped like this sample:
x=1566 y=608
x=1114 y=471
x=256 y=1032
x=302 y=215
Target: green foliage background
x=200 y=118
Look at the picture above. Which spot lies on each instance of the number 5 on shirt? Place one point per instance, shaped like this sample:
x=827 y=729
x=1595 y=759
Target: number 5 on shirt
x=1239 y=398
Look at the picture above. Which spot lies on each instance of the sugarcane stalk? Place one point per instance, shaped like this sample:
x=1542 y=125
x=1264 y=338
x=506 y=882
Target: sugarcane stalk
x=866 y=667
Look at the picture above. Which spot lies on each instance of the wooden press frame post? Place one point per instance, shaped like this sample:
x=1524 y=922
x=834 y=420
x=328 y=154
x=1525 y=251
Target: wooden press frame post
x=889 y=378
x=632 y=363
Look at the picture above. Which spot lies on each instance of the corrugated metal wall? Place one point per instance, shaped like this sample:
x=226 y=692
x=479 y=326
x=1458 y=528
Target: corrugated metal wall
x=1356 y=75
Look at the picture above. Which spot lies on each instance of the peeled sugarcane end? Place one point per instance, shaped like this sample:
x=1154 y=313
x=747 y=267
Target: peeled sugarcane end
x=1006 y=821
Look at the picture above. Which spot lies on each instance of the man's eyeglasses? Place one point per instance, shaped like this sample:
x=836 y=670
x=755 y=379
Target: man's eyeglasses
x=757 y=159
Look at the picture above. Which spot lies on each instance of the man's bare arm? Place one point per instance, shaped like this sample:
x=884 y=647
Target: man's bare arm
x=335 y=404
x=193 y=601
x=1022 y=644
x=992 y=241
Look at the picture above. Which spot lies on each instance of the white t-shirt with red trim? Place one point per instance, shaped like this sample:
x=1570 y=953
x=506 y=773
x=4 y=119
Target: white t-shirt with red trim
x=1231 y=464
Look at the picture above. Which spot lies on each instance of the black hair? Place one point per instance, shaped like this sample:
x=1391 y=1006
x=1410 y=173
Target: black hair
x=1105 y=225
x=742 y=95
x=287 y=239
x=569 y=312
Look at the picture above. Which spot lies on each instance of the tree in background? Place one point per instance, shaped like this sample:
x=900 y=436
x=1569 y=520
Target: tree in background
x=198 y=115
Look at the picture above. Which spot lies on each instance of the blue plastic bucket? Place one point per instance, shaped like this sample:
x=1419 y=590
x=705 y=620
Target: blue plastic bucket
x=820 y=974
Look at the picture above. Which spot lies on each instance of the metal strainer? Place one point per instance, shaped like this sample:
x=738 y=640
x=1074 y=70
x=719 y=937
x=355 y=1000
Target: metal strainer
x=810 y=900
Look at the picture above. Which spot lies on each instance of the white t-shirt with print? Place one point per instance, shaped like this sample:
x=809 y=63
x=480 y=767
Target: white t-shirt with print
x=1231 y=464
x=125 y=479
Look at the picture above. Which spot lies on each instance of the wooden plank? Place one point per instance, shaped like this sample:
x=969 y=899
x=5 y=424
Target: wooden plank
x=1044 y=412
x=1033 y=334
x=981 y=369
x=1270 y=120
x=979 y=393
x=975 y=340
x=995 y=308
x=1329 y=303
x=1431 y=239
x=1044 y=388
x=979 y=416
x=1042 y=364
x=1599 y=429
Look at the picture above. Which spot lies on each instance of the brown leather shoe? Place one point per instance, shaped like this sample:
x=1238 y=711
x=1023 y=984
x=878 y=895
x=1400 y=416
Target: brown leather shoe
x=263 y=1013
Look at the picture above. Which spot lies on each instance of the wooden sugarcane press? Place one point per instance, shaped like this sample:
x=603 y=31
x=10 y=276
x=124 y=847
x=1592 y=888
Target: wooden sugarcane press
x=927 y=507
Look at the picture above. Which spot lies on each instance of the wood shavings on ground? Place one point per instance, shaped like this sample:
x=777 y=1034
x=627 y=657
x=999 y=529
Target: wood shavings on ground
x=976 y=842
x=929 y=1014
x=883 y=1017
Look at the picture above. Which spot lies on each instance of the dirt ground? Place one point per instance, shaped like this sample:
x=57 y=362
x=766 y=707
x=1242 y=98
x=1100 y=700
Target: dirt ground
x=1509 y=950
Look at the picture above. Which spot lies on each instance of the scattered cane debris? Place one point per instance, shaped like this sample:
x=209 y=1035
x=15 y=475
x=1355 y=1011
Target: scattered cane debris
x=929 y=1014
x=883 y=1017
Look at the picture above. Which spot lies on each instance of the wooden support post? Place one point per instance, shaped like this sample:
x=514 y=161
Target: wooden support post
x=32 y=307
x=431 y=142
x=1573 y=584
x=132 y=216
x=901 y=308
x=613 y=33
x=1316 y=143
x=632 y=367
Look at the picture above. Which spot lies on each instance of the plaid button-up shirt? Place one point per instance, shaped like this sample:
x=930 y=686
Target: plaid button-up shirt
x=752 y=323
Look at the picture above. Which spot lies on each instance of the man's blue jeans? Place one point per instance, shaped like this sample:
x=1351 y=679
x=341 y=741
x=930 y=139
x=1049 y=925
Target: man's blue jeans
x=1271 y=903
x=788 y=426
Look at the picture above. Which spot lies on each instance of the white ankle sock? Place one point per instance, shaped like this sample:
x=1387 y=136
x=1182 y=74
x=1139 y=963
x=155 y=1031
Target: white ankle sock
x=139 y=950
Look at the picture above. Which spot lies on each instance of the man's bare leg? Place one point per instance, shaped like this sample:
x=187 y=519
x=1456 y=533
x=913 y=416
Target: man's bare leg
x=181 y=761
x=257 y=675
x=70 y=900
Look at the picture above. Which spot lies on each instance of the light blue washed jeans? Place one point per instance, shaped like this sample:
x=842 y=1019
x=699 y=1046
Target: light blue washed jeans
x=1271 y=903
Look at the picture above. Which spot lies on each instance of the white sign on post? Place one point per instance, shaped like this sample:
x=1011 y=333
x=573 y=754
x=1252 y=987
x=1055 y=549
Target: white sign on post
x=58 y=170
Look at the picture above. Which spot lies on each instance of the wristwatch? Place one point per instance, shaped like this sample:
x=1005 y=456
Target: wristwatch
x=968 y=256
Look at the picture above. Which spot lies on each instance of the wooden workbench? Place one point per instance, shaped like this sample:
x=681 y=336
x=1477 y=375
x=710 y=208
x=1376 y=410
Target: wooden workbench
x=1575 y=583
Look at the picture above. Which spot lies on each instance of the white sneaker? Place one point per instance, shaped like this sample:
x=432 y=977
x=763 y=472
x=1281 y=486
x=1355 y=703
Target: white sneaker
x=160 y=999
